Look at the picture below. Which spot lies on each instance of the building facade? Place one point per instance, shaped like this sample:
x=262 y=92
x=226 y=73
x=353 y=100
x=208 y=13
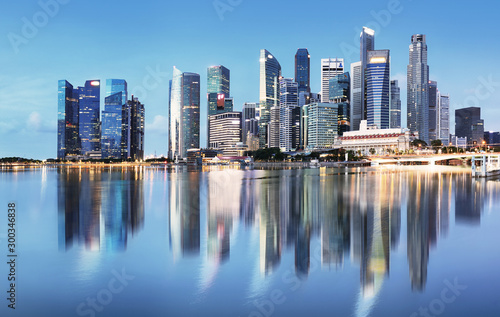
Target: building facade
x=468 y=123
x=218 y=92
x=357 y=96
x=377 y=87
x=89 y=128
x=303 y=70
x=270 y=73
x=395 y=115
x=289 y=127
x=377 y=141
x=225 y=130
x=340 y=94
x=330 y=67
x=418 y=88
x=250 y=125
x=319 y=121
x=115 y=104
x=184 y=121
x=68 y=140
x=444 y=118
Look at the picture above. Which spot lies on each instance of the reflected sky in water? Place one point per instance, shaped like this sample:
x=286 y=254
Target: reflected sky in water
x=227 y=242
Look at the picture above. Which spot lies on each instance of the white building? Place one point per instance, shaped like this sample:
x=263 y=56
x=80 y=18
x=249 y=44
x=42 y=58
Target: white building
x=443 y=118
x=330 y=67
x=380 y=140
x=319 y=125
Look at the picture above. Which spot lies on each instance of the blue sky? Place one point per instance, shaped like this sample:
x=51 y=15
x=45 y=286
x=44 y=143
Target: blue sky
x=140 y=41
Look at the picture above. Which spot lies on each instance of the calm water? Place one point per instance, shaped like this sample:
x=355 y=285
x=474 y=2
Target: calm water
x=309 y=242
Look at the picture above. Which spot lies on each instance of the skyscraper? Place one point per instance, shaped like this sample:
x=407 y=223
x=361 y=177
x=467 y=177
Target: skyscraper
x=270 y=73
x=218 y=90
x=303 y=70
x=418 y=88
x=444 y=118
x=250 y=126
x=433 y=108
x=340 y=93
x=330 y=67
x=357 y=97
x=289 y=128
x=225 y=130
x=377 y=89
x=135 y=129
x=68 y=141
x=319 y=121
x=184 y=127
x=190 y=112
x=89 y=116
x=367 y=43
x=395 y=105
x=115 y=103
x=468 y=123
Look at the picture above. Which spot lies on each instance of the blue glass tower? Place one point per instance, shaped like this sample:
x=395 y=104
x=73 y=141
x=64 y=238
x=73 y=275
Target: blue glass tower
x=89 y=119
x=303 y=70
x=218 y=93
x=112 y=119
x=378 y=83
x=339 y=94
x=68 y=141
x=269 y=96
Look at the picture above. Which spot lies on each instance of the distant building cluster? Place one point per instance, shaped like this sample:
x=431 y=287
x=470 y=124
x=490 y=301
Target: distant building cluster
x=84 y=133
x=357 y=98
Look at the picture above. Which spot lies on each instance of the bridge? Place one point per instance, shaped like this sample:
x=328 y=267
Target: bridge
x=432 y=158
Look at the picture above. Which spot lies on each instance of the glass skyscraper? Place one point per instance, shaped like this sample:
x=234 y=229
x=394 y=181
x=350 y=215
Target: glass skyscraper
x=68 y=141
x=418 y=88
x=378 y=81
x=184 y=126
x=115 y=105
x=433 y=108
x=89 y=116
x=135 y=129
x=444 y=118
x=340 y=94
x=270 y=73
x=319 y=121
x=330 y=67
x=303 y=70
x=395 y=105
x=289 y=126
x=218 y=93
x=468 y=123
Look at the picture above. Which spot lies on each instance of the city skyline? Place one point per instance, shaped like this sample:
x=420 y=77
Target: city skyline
x=148 y=73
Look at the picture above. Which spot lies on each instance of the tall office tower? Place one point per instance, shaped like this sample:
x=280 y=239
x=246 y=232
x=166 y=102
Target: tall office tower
x=377 y=89
x=270 y=73
x=190 y=112
x=319 y=121
x=89 y=119
x=330 y=67
x=444 y=118
x=418 y=88
x=468 y=123
x=135 y=129
x=340 y=93
x=170 y=152
x=225 y=130
x=357 y=97
x=68 y=141
x=288 y=102
x=433 y=108
x=366 y=43
x=274 y=127
x=395 y=105
x=303 y=70
x=115 y=103
x=218 y=89
x=250 y=126
x=184 y=128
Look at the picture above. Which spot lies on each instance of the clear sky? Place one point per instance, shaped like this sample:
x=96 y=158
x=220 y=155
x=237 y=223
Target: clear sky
x=81 y=40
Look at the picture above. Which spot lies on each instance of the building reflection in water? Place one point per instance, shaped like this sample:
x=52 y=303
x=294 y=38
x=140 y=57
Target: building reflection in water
x=98 y=209
x=184 y=214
